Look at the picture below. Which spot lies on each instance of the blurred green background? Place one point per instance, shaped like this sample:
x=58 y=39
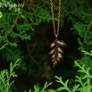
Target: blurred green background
x=26 y=33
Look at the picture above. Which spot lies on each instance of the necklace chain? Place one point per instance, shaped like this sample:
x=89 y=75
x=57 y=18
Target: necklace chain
x=56 y=32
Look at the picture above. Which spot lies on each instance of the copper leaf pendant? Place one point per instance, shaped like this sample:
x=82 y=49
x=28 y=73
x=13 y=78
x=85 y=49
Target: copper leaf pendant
x=56 y=52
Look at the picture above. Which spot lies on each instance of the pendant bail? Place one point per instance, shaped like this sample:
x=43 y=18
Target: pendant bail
x=56 y=36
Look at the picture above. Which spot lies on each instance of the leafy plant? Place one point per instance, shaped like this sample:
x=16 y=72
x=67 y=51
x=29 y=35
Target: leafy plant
x=82 y=82
x=7 y=77
x=37 y=88
x=20 y=27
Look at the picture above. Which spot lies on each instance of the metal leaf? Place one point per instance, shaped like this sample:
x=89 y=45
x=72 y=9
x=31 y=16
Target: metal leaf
x=52 y=51
x=60 y=55
x=52 y=45
x=53 y=56
x=61 y=43
x=60 y=50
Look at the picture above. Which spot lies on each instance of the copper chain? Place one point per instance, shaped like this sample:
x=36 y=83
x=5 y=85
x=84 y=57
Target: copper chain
x=56 y=33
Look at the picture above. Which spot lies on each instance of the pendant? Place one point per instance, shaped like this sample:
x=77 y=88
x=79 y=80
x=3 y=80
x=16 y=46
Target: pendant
x=56 y=52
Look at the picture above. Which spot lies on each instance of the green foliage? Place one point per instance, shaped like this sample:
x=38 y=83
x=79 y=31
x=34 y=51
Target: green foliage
x=24 y=24
x=82 y=82
x=17 y=40
x=16 y=31
x=6 y=77
x=84 y=31
x=37 y=88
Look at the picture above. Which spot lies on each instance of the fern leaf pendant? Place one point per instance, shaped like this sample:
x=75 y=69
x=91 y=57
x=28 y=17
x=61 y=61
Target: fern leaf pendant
x=56 y=52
